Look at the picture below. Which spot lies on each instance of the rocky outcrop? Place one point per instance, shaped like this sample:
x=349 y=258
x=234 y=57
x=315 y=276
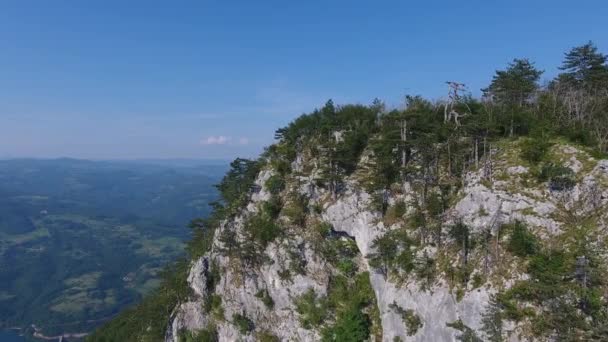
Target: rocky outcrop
x=482 y=205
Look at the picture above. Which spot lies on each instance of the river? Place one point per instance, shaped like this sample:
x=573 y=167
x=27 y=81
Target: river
x=10 y=336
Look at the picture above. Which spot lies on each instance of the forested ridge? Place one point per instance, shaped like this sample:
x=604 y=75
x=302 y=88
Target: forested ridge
x=430 y=145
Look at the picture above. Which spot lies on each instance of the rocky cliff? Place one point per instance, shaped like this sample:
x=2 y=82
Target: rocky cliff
x=434 y=264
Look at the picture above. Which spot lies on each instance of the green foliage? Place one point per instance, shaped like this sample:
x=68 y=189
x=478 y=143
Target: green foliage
x=560 y=177
x=275 y=184
x=236 y=186
x=461 y=234
x=243 y=323
x=297 y=208
x=353 y=300
x=468 y=334
x=272 y=207
x=266 y=336
x=352 y=325
x=202 y=238
x=392 y=252
x=411 y=320
x=261 y=230
x=265 y=297
x=311 y=308
x=213 y=304
x=492 y=321
x=83 y=240
x=204 y=335
x=585 y=67
x=426 y=270
x=534 y=150
x=347 y=266
x=148 y=320
x=521 y=242
x=516 y=84
x=395 y=212
x=564 y=290
x=339 y=250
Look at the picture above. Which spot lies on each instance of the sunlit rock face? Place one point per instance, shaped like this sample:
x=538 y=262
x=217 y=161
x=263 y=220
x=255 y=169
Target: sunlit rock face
x=484 y=206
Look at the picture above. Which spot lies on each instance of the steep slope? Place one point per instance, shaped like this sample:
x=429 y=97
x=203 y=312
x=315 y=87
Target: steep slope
x=353 y=227
x=436 y=304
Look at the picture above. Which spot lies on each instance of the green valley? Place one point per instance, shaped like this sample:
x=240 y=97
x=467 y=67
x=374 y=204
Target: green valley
x=81 y=240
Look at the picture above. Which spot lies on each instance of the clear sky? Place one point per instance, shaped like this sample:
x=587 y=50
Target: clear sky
x=214 y=79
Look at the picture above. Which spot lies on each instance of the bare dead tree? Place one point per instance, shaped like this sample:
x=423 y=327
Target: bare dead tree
x=454 y=97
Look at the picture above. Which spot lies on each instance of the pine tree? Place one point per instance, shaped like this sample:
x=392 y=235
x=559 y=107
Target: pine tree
x=585 y=66
x=516 y=84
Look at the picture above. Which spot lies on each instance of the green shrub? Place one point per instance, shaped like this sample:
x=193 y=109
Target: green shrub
x=521 y=242
x=203 y=232
x=550 y=267
x=435 y=204
x=352 y=325
x=478 y=280
x=323 y=229
x=411 y=320
x=468 y=334
x=243 y=323
x=347 y=267
x=492 y=321
x=426 y=270
x=317 y=208
x=285 y=275
x=275 y=184
x=339 y=250
x=204 y=335
x=262 y=230
x=560 y=177
x=392 y=252
x=534 y=150
x=272 y=207
x=267 y=336
x=297 y=209
x=264 y=296
x=395 y=212
x=213 y=303
x=311 y=308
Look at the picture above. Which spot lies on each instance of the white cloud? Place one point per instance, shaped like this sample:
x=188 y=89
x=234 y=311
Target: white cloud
x=224 y=140
x=216 y=140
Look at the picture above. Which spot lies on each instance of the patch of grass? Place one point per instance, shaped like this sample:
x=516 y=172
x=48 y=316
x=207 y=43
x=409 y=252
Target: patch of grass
x=267 y=336
x=521 y=241
x=311 y=308
x=243 y=323
x=534 y=150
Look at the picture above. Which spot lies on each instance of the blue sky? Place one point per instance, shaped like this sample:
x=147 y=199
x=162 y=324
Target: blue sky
x=214 y=79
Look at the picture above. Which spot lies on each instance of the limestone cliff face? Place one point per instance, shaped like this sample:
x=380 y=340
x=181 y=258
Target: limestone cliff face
x=483 y=205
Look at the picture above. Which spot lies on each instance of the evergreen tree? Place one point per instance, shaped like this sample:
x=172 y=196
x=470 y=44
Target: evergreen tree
x=516 y=84
x=585 y=66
